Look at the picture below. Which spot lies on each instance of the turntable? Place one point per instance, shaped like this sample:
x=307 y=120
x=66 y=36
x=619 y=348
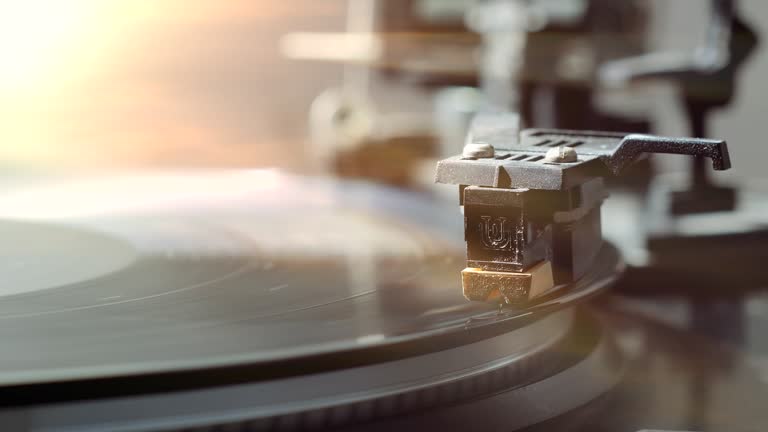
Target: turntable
x=263 y=300
x=152 y=302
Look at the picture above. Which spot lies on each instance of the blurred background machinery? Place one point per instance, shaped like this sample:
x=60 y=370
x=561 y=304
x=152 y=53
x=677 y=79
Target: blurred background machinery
x=539 y=58
x=562 y=64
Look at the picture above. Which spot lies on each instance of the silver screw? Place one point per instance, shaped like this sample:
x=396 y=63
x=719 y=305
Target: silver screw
x=478 y=151
x=561 y=155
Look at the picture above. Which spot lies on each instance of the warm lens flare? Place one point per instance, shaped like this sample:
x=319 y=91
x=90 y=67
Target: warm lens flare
x=146 y=82
x=35 y=36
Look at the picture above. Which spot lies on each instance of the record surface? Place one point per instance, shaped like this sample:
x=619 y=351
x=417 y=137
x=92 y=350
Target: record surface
x=221 y=276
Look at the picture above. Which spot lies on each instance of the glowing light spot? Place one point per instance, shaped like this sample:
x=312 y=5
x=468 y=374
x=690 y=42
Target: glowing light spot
x=34 y=37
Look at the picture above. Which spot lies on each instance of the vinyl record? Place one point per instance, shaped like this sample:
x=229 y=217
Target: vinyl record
x=148 y=283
